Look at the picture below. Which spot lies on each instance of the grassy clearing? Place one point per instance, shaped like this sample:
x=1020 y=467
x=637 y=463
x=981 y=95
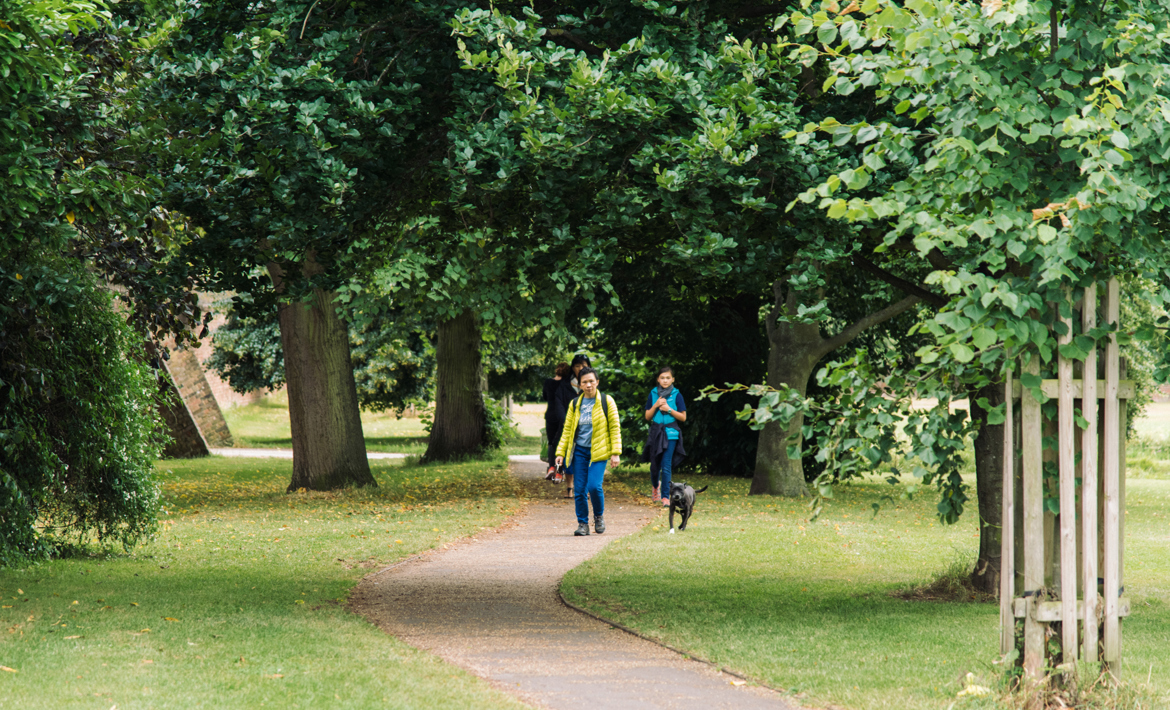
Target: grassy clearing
x=809 y=606
x=239 y=602
x=266 y=426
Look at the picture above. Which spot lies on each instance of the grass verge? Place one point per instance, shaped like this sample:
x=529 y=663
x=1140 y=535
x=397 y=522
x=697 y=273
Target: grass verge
x=266 y=426
x=240 y=601
x=817 y=608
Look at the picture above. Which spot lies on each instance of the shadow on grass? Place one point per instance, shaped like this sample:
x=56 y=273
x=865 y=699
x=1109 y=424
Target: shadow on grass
x=241 y=596
x=381 y=444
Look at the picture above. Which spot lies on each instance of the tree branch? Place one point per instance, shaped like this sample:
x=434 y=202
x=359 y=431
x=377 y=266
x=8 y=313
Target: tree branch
x=901 y=284
x=831 y=344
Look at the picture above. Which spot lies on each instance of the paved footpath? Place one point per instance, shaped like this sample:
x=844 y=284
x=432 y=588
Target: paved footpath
x=490 y=605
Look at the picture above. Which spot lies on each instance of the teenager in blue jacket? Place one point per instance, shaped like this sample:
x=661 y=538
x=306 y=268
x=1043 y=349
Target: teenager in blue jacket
x=664 y=449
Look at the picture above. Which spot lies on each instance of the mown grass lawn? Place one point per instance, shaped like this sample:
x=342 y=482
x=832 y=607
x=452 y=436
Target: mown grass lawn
x=239 y=601
x=808 y=606
x=266 y=426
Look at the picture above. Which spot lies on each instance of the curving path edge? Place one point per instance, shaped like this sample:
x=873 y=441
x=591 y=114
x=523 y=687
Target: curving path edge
x=490 y=604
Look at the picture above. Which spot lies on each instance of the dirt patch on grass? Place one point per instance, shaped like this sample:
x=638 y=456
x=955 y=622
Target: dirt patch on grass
x=952 y=585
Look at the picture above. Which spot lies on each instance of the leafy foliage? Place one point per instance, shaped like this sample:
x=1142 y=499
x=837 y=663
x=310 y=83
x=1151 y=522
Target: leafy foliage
x=79 y=431
x=393 y=362
x=1030 y=142
x=500 y=430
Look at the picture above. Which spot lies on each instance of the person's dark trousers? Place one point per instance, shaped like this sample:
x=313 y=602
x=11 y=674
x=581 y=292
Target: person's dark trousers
x=588 y=479
x=553 y=432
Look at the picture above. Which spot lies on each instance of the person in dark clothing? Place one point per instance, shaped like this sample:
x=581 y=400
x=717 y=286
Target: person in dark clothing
x=557 y=393
x=579 y=362
x=665 y=408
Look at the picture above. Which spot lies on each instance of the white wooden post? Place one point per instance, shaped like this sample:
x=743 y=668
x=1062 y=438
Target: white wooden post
x=1066 y=463
x=1007 y=554
x=1089 y=481
x=1111 y=479
x=1033 y=461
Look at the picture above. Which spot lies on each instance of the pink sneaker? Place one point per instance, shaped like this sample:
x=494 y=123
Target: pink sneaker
x=665 y=502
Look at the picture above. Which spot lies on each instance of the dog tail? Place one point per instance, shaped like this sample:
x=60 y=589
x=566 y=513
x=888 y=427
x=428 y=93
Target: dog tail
x=701 y=489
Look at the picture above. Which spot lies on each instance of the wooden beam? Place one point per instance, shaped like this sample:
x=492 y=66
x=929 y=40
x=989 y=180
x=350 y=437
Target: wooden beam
x=1033 y=475
x=1007 y=556
x=1089 y=544
x=1126 y=389
x=1110 y=475
x=1066 y=467
x=1049 y=612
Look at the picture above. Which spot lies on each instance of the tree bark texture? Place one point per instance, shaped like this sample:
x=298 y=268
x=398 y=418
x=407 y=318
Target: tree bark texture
x=791 y=358
x=989 y=455
x=794 y=351
x=460 y=426
x=329 y=450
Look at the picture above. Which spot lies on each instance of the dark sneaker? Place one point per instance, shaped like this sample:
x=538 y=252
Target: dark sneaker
x=583 y=529
x=599 y=525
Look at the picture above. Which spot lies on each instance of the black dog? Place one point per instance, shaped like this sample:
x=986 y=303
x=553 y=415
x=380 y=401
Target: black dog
x=682 y=496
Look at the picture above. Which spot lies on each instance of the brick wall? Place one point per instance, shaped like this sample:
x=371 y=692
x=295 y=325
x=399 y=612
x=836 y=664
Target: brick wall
x=187 y=442
x=187 y=373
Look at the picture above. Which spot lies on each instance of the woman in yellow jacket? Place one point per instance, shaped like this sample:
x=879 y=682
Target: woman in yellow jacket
x=592 y=435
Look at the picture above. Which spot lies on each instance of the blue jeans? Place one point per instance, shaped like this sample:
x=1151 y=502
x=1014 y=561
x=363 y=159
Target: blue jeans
x=588 y=477
x=661 y=471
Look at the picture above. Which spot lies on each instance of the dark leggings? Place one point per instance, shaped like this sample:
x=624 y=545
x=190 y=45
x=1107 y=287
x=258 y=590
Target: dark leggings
x=553 y=431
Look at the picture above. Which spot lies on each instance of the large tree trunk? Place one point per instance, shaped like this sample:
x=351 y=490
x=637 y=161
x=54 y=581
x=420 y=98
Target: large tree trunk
x=460 y=426
x=329 y=450
x=791 y=359
x=795 y=350
x=988 y=489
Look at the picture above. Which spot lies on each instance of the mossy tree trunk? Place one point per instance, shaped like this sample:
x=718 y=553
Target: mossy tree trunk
x=794 y=351
x=329 y=450
x=460 y=426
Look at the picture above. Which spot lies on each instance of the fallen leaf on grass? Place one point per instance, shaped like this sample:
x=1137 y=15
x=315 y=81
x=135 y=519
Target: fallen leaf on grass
x=275 y=675
x=738 y=682
x=147 y=660
x=133 y=603
x=72 y=637
x=169 y=618
x=8 y=670
x=20 y=591
x=7 y=606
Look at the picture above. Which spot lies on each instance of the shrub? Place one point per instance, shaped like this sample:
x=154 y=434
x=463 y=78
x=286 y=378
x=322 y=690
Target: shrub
x=79 y=428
